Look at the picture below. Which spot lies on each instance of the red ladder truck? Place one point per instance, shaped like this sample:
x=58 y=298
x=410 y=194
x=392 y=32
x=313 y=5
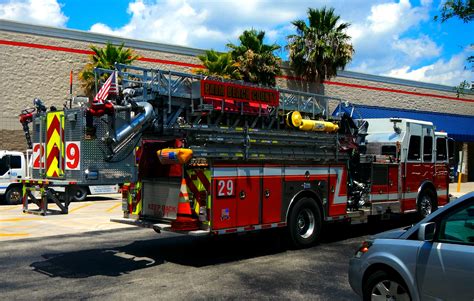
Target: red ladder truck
x=215 y=157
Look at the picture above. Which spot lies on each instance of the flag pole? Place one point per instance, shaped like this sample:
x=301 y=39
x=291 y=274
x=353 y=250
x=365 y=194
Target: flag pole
x=70 y=89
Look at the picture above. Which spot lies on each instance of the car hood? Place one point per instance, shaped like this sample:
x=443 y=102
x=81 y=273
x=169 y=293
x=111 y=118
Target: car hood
x=396 y=233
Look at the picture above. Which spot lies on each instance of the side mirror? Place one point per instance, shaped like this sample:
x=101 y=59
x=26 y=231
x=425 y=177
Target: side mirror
x=426 y=231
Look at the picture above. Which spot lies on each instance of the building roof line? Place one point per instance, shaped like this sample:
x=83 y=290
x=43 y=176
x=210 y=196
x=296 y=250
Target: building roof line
x=86 y=36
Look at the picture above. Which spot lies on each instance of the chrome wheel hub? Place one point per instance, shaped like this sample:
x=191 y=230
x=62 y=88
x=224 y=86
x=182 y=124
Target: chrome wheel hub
x=305 y=223
x=388 y=290
x=425 y=206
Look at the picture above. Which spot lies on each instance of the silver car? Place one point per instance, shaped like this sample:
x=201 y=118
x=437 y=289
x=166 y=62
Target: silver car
x=433 y=260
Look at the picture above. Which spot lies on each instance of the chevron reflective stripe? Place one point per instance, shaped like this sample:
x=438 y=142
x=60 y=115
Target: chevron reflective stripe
x=24 y=196
x=199 y=184
x=40 y=182
x=54 y=144
x=249 y=228
x=135 y=204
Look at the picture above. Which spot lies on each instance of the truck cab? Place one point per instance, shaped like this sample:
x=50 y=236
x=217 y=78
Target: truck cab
x=410 y=170
x=13 y=166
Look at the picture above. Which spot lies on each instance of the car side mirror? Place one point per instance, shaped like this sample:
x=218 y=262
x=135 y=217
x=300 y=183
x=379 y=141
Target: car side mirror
x=426 y=231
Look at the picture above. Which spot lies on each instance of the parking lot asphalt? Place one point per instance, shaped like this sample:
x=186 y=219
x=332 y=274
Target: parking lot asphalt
x=93 y=214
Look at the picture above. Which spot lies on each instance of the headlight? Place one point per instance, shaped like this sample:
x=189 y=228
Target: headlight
x=364 y=248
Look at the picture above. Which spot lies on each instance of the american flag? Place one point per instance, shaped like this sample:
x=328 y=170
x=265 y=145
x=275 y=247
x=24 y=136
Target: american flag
x=109 y=87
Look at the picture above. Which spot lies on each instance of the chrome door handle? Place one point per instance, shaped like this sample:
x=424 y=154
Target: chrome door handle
x=267 y=193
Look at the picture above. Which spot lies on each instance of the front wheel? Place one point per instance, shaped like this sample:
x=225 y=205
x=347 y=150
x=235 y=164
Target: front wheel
x=13 y=195
x=304 y=223
x=382 y=285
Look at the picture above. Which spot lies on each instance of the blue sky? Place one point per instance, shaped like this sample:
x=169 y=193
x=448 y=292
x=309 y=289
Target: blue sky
x=395 y=38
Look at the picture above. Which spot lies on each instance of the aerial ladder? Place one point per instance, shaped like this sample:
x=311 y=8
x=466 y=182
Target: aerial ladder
x=253 y=123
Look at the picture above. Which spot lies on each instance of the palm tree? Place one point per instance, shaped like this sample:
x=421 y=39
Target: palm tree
x=105 y=58
x=256 y=61
x=317 y=51
x=218 y=64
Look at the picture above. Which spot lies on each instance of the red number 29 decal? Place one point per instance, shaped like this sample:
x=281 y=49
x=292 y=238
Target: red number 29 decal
x=225 y=188
x=38 y=154
x=73 y=156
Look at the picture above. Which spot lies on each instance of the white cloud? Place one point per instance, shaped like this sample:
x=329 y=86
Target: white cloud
x=380 y=42
x=450 y=72
x=174 y=22
x=42 y=12
x=206 y=24
x=386 y=17
x=422 y=47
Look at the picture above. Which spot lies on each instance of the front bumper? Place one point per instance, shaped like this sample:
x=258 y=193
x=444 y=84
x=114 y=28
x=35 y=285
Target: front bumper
x=355 y=275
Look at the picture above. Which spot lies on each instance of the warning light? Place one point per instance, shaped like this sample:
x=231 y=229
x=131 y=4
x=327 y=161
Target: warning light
x=174 y=155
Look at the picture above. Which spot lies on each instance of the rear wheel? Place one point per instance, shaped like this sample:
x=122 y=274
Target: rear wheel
x=383 y=285
x=79 y=194
x=13 y=195
x=426 y=203
x=304 y=223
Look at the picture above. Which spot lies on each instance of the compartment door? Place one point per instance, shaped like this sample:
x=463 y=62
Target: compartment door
x=272 y=194
x=248 y=195
x=379 y=182
x=224 y=197
x=393 y=182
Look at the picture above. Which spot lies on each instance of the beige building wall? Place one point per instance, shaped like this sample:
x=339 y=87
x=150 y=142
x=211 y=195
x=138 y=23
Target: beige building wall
x=37 y=61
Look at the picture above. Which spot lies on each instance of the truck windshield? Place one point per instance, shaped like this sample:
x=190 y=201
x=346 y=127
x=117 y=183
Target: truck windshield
x=4 y=165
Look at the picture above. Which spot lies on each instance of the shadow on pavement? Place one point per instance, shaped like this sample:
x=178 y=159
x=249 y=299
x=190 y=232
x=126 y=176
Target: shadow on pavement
x=188 y=251
x=183 y=250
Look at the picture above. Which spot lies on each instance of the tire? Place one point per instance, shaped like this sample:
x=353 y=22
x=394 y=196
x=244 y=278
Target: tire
x=79 y=194
x=13 y=195
x=383 y=285
x=304 y=223
x=426 y=203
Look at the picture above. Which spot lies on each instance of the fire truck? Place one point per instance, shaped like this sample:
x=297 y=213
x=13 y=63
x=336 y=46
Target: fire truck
x=206 y=156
